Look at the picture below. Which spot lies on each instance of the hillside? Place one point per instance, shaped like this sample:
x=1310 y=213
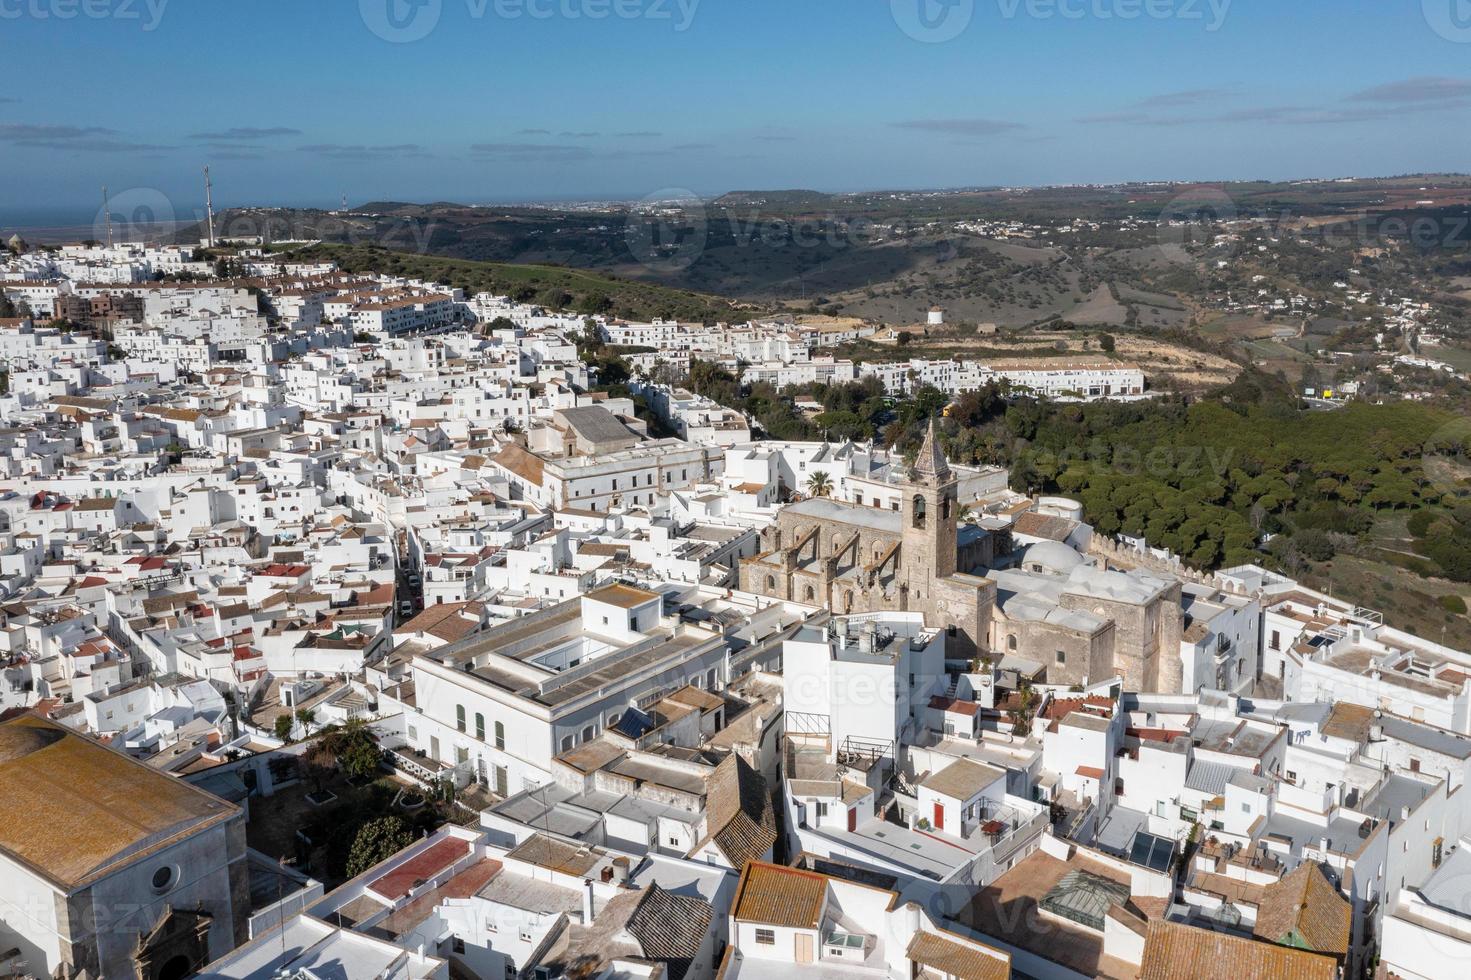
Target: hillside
x=552 y=286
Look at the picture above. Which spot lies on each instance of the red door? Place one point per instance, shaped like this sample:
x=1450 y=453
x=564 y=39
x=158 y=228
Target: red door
x=852 y=821
x=939 y=816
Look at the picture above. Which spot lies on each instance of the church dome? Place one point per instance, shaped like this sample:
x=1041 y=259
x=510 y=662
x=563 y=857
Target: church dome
x=1051 y=556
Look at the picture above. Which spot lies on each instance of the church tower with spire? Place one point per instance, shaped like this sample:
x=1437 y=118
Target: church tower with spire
x=931 y=516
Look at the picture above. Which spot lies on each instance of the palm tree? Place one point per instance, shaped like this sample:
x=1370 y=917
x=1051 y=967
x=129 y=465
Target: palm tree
x=819 y=484
x=307 y=717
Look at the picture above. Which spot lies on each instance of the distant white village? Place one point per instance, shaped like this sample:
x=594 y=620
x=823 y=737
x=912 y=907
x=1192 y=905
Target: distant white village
x=704 y=705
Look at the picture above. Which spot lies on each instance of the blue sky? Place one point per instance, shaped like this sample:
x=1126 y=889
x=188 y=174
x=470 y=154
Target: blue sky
x=300 y=101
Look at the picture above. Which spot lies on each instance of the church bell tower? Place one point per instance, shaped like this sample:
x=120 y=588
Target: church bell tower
x=931 y=515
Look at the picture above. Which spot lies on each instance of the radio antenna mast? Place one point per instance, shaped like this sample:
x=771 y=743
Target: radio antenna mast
x=209 y=206
x=107 y=211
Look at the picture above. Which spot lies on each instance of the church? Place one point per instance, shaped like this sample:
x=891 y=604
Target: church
x=856 y=559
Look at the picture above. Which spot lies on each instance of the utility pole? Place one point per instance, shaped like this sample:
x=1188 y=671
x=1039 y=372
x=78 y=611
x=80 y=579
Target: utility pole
x=209 y=206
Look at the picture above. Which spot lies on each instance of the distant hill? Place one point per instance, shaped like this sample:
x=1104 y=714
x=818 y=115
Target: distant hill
x=795 y=200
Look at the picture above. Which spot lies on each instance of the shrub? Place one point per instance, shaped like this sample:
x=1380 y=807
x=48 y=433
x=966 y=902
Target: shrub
x=1420 y=522
x=377 y=841
x=1314 y=544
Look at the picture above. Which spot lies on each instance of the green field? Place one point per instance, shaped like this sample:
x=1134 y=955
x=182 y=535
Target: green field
x=1457 y=357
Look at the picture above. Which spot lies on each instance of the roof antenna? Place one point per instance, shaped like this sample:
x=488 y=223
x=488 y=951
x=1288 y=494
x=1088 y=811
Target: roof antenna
x=209 y=205
x=107 y=210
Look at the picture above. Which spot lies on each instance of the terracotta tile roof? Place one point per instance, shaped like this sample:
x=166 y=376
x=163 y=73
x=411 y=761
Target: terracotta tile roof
x=1036 y=525
x=444 y=621
x=953 y=706
x=670 y=927
x=955 y=958
x=1179 y=952
x=772 y=895
x=739 y=816
x=527 y=465
x=1062 y=707
x=1306 y=909
x=380 y=595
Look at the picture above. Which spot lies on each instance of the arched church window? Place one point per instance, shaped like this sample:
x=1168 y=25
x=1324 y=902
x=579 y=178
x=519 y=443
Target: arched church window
x=919 y=513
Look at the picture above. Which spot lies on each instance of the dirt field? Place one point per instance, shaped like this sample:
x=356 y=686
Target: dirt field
x=1167 y=366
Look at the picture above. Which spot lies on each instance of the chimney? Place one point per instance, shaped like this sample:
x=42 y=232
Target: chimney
x=587 y=902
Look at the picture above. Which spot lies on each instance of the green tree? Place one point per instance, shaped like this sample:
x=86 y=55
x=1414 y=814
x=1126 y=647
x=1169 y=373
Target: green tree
x=355 y=748
x=283 y=726
x=819 y=484
x=377 y=841
x=594 y=303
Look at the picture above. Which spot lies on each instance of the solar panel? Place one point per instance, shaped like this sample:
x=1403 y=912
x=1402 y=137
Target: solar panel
x=1151 y=851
